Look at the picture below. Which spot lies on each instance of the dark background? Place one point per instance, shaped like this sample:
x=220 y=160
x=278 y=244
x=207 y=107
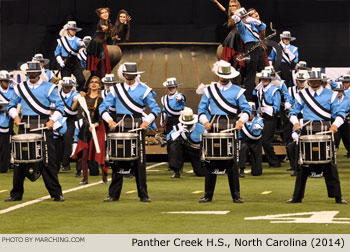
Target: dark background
x=31 y=26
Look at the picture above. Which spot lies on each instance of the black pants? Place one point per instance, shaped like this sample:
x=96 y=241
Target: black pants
x=255 y=149
x=331 y=177
x=67 y=142
x=287 y=127
x=232 y=175
x=73 y=67
x=139 y=170
x=292 y=155
x=267 y=139
x=344 y=132
x=178 y=151
x=171 y=121
x=286 y=73
x=256 y=64
x=5 y=149
x=49 y=173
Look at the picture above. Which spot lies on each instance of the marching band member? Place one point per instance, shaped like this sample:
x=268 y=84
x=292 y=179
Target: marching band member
x=173 y=103
x=224 y=99
x=184 y=140
x=68 y=96
x=250 y=139
x=67 y=51
x=130 y=99
x=290 y=56
x=249 y=28
x=35 y=97
x=300 y=66
x=43 y=62
x=319 y=105
x=6 y=93
x=344 y=130
x=269 y=98
x=108 y=82
x=86 y=149
x=82 y=55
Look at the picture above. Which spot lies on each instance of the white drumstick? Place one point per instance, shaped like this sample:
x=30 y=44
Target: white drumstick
x=323 y=132
x=37 y=129
x=228 y=130
x=84 y=106
x=137 y=129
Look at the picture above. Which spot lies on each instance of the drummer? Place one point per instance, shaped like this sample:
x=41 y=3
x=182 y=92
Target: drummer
x=6 y=92
x=319 y=105
x=130 y=99
x=35 y=97
x=224 y=99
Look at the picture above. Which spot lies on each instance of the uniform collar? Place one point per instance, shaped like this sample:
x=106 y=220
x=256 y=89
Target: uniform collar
x=132 y=87
x=284 y=45
x=36 y=85
x=319 y=91
x=265 y=88
x=224 y=87
x=70 y=38
x=64 y=95
x=3 y=90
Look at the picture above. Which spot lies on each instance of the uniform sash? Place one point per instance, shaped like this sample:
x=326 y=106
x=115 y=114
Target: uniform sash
x=220 y=100
x=127 y=101
x=314 y=105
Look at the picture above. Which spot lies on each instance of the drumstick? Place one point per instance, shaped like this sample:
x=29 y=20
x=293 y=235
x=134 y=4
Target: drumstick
x=306 y=123
x=228 y=130
x=323 y=132
x=84 y=106
x=137 y=129
x=43 y=128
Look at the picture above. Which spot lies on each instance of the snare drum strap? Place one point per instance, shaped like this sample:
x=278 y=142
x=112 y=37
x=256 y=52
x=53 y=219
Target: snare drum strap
x=314 y=105
x=4 y=97
x=127 y=101
x=220 y=100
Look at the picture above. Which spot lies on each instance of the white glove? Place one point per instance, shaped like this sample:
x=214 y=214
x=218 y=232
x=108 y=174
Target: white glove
x=257 y=126
x=267 y=110
x=178 y=97
x=287 y=105
x=60 y=61
x=236 y=18
x=253 y=20
x=200 y=89
x=162 y=119
x=295 y=136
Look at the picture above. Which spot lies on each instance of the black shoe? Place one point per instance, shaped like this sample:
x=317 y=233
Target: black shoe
x=275 y=165
x=59 y=198
x=110 y=199
x=290 y=169
x=66 y=168
x=241 y=173
x=340 y=200
x=292 y=200
x=78 y=175
x=293 y=174
x=146 y=199
x=204 y=200
x=9 y=199
x=105 y=181
x=176 y=175
x=238 y=200
x=83 y=182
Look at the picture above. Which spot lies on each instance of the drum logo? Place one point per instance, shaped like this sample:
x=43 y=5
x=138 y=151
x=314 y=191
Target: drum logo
x=119 y=146
x=315 y=149
x=217 y=145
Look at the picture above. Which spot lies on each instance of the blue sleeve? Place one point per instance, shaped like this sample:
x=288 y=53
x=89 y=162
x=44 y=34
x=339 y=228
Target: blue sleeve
x=58 y=50
x=338 y=109
x=152 y=104
x=241 y=29
x=56 y=99
x=244 y=105
x=261 y=27
x=334 y=85
x=277 y=101
x=272 y=56
x=63 y=129
x=203 y=105
x=285 y=93
x=107 y=102
x=76 y=133
x=296 y=109
x=14 y=100
x=296 y=60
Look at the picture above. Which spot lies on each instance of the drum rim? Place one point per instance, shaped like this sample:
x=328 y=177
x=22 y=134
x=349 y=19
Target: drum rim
x=122 y=135
x=29 y=136
x=315 y=137
x=217 y=134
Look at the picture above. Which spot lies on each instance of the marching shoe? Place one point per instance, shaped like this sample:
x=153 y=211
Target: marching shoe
x=78 y=175
x=292 y=200
x=110 y=199
x=290 y=169
x=204 y=200
x=340 y=200
x=66 y=168
x=176 y=175
x=241 y=173
x=9 y=199
x=146 y=199
x=83 y=182
x=277 y=165
x=59 y=198
x=238 y=200
x=293 y=174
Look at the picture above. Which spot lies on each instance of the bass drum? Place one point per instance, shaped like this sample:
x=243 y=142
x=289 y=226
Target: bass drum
x=115 y=54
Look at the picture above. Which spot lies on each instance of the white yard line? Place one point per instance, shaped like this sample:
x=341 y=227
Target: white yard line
x=199 y=212
x=28 y=203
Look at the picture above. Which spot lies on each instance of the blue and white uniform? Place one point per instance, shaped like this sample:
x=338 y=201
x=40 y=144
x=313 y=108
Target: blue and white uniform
x=5 y=95
x=68 y=46
x=252 y=129
x=171 y=110
x=291 y=56
x=68 y=99
x=250 y=32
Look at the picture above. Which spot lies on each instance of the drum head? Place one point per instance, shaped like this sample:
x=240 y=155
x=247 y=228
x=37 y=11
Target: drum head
x=218 y=135
x=27 y=137
x=122 y=135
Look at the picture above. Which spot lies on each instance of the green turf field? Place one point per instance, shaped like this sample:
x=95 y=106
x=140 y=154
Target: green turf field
x=85 y=212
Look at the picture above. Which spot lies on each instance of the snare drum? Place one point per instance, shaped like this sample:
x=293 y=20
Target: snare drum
x=123 y=146
x=218 y=146
x=27 y=148
x=315 y=149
